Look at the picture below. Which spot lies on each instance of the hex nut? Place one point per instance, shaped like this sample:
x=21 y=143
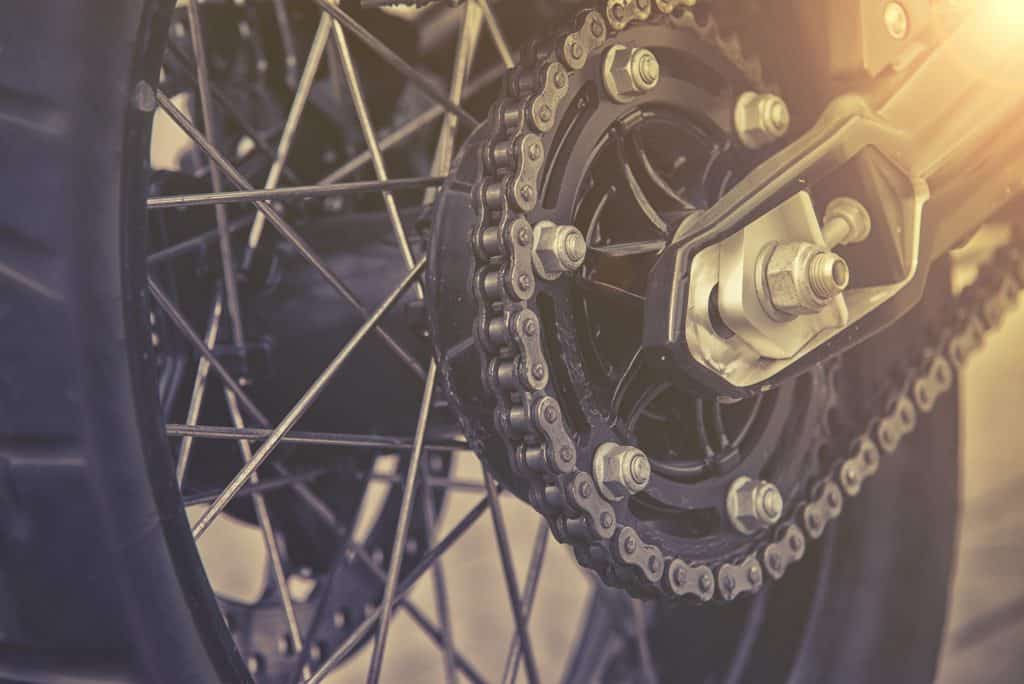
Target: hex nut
x=557 y=249
x=620 y=470
x=753 y=505
x=801 y=278
x=630 y=72
x=760 y=119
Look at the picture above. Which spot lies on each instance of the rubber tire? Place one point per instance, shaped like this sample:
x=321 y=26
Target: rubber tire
x=99 y=578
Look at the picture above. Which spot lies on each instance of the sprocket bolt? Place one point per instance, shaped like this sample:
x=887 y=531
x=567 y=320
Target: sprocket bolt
x=557 y=249
x=620 y=470
x=760 y=119
x=753 y=505
x=630 y=72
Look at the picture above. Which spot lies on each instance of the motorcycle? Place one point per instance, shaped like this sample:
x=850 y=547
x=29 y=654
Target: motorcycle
x=677 y=272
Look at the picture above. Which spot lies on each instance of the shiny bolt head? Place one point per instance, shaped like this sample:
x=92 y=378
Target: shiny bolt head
x=630 y=72
x=760 y=119
x=620 y=470
x=846 y=222
x=753 y=505
x=801 y=278
x=557 y=249
x=897 y=22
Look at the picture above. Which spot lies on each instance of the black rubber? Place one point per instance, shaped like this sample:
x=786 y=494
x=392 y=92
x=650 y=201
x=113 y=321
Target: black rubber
x=99 y=577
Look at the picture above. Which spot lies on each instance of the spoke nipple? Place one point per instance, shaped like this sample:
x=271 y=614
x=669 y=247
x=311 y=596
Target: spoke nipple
x=760 y=119
x=145 y=97
x=620 y=470
x=753 y=505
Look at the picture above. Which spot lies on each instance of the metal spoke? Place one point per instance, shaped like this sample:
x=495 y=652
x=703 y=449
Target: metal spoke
x=505 y=551
x=300 y=488
x=209 y=125
x=314 y=438
x=300 y=408
x=465 y=51
x=500 y=44
x=355 y=88
x=291 y=124
x=284 y=27
x=283 y=227
x=440 y=588
x=259 y=139
x=295 y=192
x=198 y=389
x=404 y=518
x=266 y=484
x=437 y=482
x=540 y=545
x=392 y=58
x=267 y=529
x=164 y=302
x=363 y=630
x=193 y=244
x=411 y=127
x=429 y=628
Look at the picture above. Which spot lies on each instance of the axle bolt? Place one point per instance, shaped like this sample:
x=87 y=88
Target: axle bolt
x=630 y=72
x=753 y=505
x=557 y=249
x=620 y=470
x=800 y=278
x=760 y=119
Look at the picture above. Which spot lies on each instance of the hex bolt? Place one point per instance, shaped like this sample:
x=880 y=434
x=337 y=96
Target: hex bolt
x=557 y=249
x=620 y=470
x=846 y=222
x=800 y=278
x=630 y=72
x=753 y=505
x=897 y=22
x=760 y=119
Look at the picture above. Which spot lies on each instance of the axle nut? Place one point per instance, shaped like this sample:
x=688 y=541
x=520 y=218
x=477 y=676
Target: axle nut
x=760 y=119
x=630 y=72
x=620 y=470
x=801 y=278
x=557 y=249
x=753 y=505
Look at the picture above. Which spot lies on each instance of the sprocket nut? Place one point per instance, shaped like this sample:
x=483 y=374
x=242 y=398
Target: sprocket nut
x=753 y=505
x=620 y=470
